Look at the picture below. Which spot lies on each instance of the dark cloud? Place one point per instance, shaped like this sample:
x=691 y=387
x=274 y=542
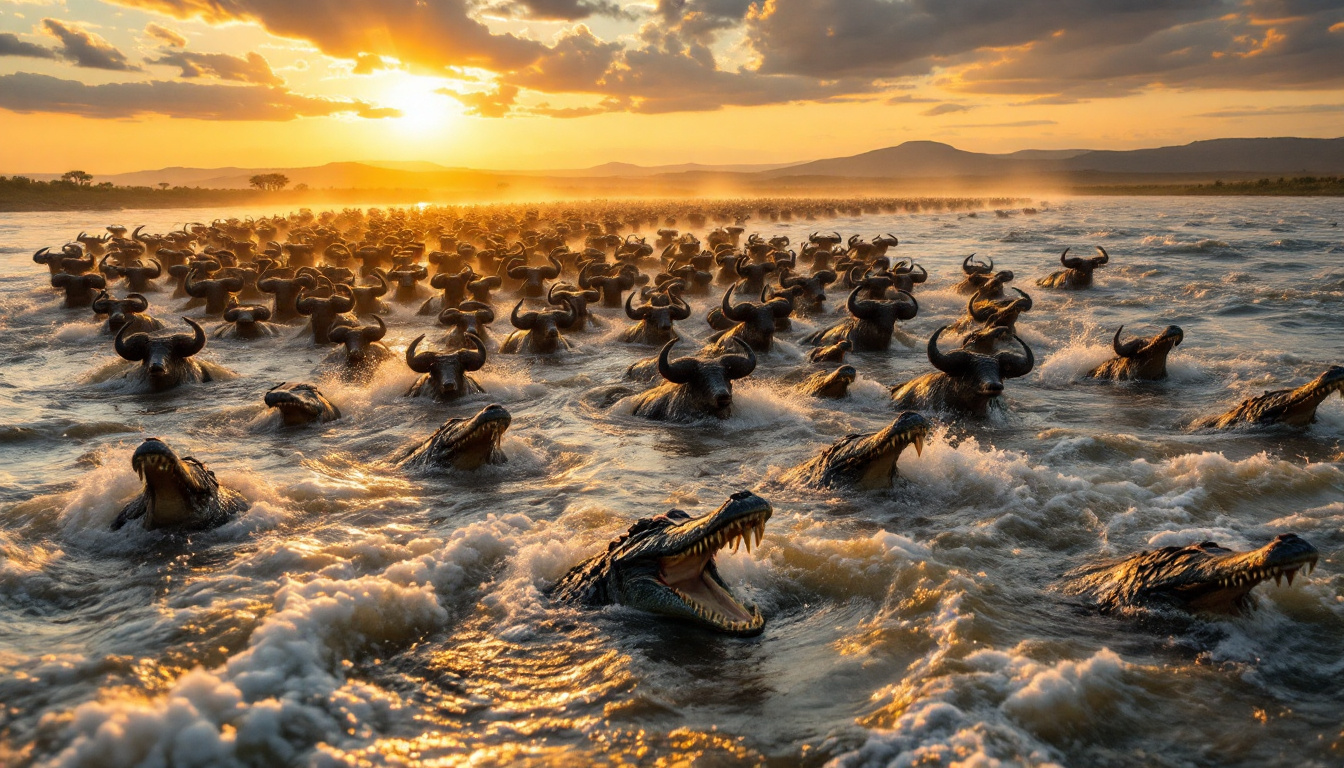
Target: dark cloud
x=1063 y=51
x=1037 y=51
x=11 y=45
x=560 y=10
x=429 y=34
x=909 y=98
x=665 y=73
x=1303 y=109
x=253 y=69
x=85 y=49
x=496 y=103
x=166 y=36
x=27 y=92
x=1261 y=46
x=830 y=38
x=946 y=109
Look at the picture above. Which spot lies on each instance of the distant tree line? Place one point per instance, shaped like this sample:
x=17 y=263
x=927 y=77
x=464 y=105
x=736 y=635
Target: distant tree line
x=269 y=182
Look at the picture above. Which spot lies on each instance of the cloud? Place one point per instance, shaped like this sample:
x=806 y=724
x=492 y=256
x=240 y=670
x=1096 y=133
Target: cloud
x=702 y=55
x=429 y=35
x=27 y=92
x=664 y=73
x=496 y=103
x=367 y=64
x=169 y=37
x=85 y=49
x=11 y=45
x=560 y=10
x=908 y=98
x=1290 y=109
x=1261 y=45
x=1070 y=49
x=1018 y=124
x=947 y=108
x=253 y=69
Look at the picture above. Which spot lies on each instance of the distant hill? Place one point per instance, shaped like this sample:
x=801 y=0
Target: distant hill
x=931 y=159
x=912 y=162
x=1220 y=156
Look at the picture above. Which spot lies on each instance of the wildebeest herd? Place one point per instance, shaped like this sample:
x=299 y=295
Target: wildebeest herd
x=561 y=273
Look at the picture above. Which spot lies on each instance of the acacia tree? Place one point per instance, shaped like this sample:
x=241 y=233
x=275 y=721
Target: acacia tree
x=77 y=177
x=271 y=182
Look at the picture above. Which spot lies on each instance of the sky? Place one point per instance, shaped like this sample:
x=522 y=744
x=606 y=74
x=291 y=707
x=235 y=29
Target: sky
x=109 y=86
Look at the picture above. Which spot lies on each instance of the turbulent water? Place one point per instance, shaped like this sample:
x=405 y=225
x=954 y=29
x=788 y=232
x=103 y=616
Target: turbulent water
x=356 y=615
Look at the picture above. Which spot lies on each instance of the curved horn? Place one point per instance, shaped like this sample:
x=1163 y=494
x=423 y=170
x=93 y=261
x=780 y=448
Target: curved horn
x=553 y=271
x=730 y=310
x=573 y=316
x=419 y=362
x=472 y=360
x=374 y=334
x=131 y=347
x=343 y=300
x=1103 y=258
x=135 y=302
x=1129 y=348
x=1014 y=366
x=739 y=366
x=951 y=363
x=102 y=304
x=525 y=321
x=680 y=310
x=186 y=348
x=863 y=310
x=635 y=313
x=1025 y=298
x=680 y=372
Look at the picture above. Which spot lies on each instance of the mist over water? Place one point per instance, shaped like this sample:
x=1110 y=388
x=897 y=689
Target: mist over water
x=356 y=614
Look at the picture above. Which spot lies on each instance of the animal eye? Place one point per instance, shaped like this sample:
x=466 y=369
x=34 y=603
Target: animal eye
x=677 y=514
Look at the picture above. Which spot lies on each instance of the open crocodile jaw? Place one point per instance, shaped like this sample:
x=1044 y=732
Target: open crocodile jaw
x=479 y=448
x=1229 y=594
x=163 y=481
x=691 y=579
x=881 y=472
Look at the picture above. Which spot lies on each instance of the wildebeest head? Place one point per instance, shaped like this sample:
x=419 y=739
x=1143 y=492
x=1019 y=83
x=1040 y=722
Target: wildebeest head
x=445 y=372
x=983 y=373
x=163 y=356
x=708 y=380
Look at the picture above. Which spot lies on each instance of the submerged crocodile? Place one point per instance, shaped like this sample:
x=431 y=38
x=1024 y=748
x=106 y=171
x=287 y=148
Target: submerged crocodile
x=665 y=564
x=1294 y=407
x=865 y=461
x=832 y=386
x=1200 y=577
x=301 y=403
x=463 y=443
x=178 y=492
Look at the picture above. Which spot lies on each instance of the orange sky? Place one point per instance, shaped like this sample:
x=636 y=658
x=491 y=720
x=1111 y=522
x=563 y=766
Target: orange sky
x=515 y=84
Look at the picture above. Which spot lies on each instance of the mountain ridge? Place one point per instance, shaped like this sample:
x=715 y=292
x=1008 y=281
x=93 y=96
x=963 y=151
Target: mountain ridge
x=909 y=160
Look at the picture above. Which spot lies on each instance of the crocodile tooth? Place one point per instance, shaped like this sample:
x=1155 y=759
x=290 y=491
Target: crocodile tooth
x=1278 y=579
x=1290 y=575
x=919 y=445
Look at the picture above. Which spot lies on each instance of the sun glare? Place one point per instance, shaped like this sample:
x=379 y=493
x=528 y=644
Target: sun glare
x=422 y=110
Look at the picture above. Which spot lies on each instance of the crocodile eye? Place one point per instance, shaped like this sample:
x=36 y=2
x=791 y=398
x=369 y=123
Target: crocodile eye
x=677 y=514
